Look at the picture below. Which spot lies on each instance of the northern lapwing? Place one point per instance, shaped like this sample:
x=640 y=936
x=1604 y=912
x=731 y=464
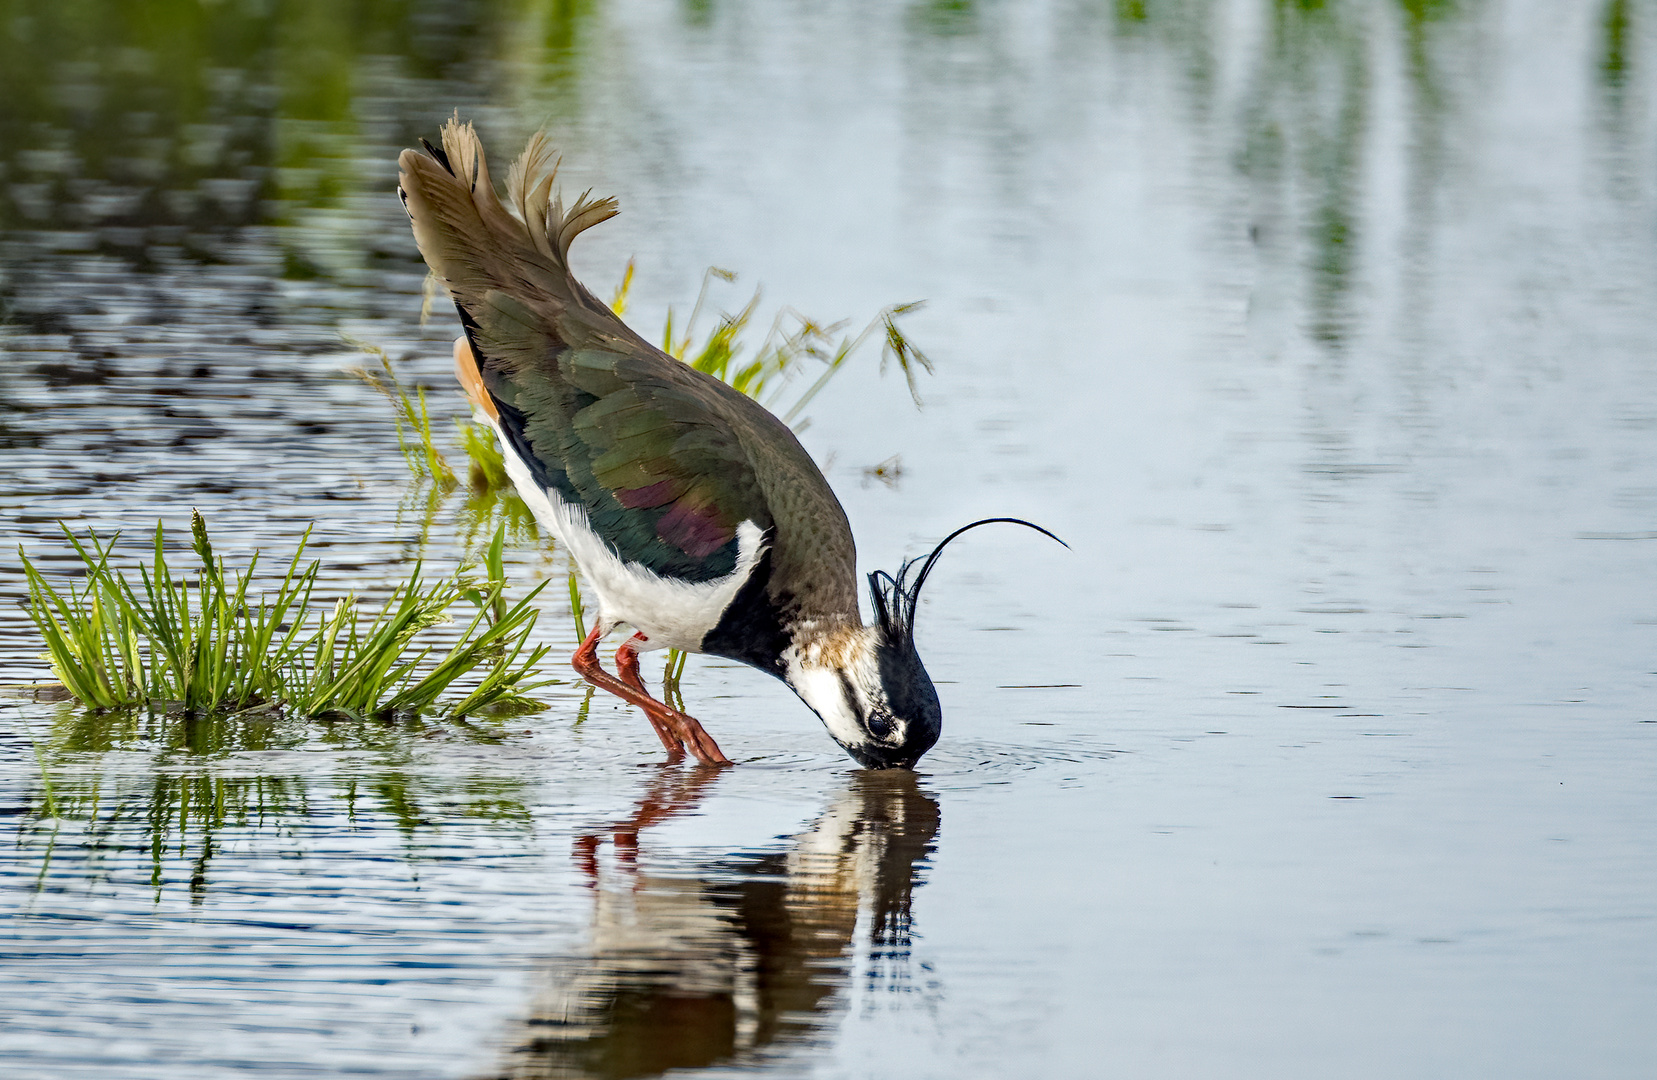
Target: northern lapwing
x=695 y=515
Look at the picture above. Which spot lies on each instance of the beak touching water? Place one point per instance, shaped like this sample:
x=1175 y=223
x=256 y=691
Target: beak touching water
x=868 y=685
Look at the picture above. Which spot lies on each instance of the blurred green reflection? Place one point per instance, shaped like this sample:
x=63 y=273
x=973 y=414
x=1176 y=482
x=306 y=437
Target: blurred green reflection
x=173 y=785
x=172 y=122
x=165 y=129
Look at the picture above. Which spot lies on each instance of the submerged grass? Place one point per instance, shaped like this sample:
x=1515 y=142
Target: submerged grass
x=208 y=647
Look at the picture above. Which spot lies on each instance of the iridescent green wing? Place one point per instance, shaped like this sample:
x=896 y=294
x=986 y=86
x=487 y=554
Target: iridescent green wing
x=641 y=443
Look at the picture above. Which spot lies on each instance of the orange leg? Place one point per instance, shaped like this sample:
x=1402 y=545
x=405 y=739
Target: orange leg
x=627 y=667
x=670 y=793
x=673 y=726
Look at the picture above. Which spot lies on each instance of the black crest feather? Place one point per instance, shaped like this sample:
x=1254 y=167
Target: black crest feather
x=895 y=598
x=438 y=155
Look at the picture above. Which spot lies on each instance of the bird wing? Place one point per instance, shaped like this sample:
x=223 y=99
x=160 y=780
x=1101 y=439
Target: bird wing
x=665 y=460
x=660 y=476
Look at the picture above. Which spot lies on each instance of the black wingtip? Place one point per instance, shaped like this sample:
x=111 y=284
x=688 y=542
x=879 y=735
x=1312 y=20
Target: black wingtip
x=439 y=156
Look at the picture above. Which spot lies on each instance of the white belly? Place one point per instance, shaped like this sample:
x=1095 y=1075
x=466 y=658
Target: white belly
x=670 y=614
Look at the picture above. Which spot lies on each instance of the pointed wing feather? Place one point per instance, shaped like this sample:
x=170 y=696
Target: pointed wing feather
x=666 y=461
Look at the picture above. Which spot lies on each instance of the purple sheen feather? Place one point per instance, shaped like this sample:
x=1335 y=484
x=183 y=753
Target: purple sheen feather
x=657 y=494
x=694 y=530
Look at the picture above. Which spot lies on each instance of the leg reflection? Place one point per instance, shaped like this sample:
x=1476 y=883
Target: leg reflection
x=672 y=791
x=744 y=953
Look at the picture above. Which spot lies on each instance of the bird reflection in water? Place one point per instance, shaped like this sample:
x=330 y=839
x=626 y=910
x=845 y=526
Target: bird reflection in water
x=741 y=957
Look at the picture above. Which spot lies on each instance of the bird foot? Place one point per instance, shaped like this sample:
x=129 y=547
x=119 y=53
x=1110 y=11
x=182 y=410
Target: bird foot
x=678 y=731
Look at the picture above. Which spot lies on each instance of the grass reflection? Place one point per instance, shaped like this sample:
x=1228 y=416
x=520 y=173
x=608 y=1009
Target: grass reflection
x=1617 y=28
x=1303 y=126
x=173 y=786
x=1306 y=117
x=1620 y=106
x=174 y=122
x=118 y=113
x=945 y=18
x=162 y=128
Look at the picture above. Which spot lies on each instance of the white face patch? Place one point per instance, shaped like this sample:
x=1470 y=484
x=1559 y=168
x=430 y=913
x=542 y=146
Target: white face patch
x=842 y=693
x=670 y=614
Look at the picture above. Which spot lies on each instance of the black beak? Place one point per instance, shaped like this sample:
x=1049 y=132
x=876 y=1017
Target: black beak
x=875 y=757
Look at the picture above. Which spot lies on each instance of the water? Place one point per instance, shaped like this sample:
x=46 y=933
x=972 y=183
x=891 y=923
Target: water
x=1321 y=332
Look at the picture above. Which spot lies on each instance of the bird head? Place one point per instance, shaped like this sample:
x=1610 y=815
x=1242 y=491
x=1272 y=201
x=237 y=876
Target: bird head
x=868 y=683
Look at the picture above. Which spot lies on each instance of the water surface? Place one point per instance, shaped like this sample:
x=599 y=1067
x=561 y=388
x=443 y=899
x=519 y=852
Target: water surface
x=1322 y=332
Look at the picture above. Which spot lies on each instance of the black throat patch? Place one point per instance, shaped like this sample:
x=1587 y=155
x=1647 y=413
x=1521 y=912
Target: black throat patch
x=750 y=630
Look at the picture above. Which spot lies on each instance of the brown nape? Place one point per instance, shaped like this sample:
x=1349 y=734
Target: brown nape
x=471 y=380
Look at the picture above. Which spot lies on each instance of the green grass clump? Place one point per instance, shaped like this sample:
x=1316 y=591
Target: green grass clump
x=201 y=646
x=414 y=423
x=487 y=468
x=208 y=647
x=363 y=665
x=790 y=348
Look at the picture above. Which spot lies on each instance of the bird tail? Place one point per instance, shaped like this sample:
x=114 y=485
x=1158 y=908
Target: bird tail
x=475 y=243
